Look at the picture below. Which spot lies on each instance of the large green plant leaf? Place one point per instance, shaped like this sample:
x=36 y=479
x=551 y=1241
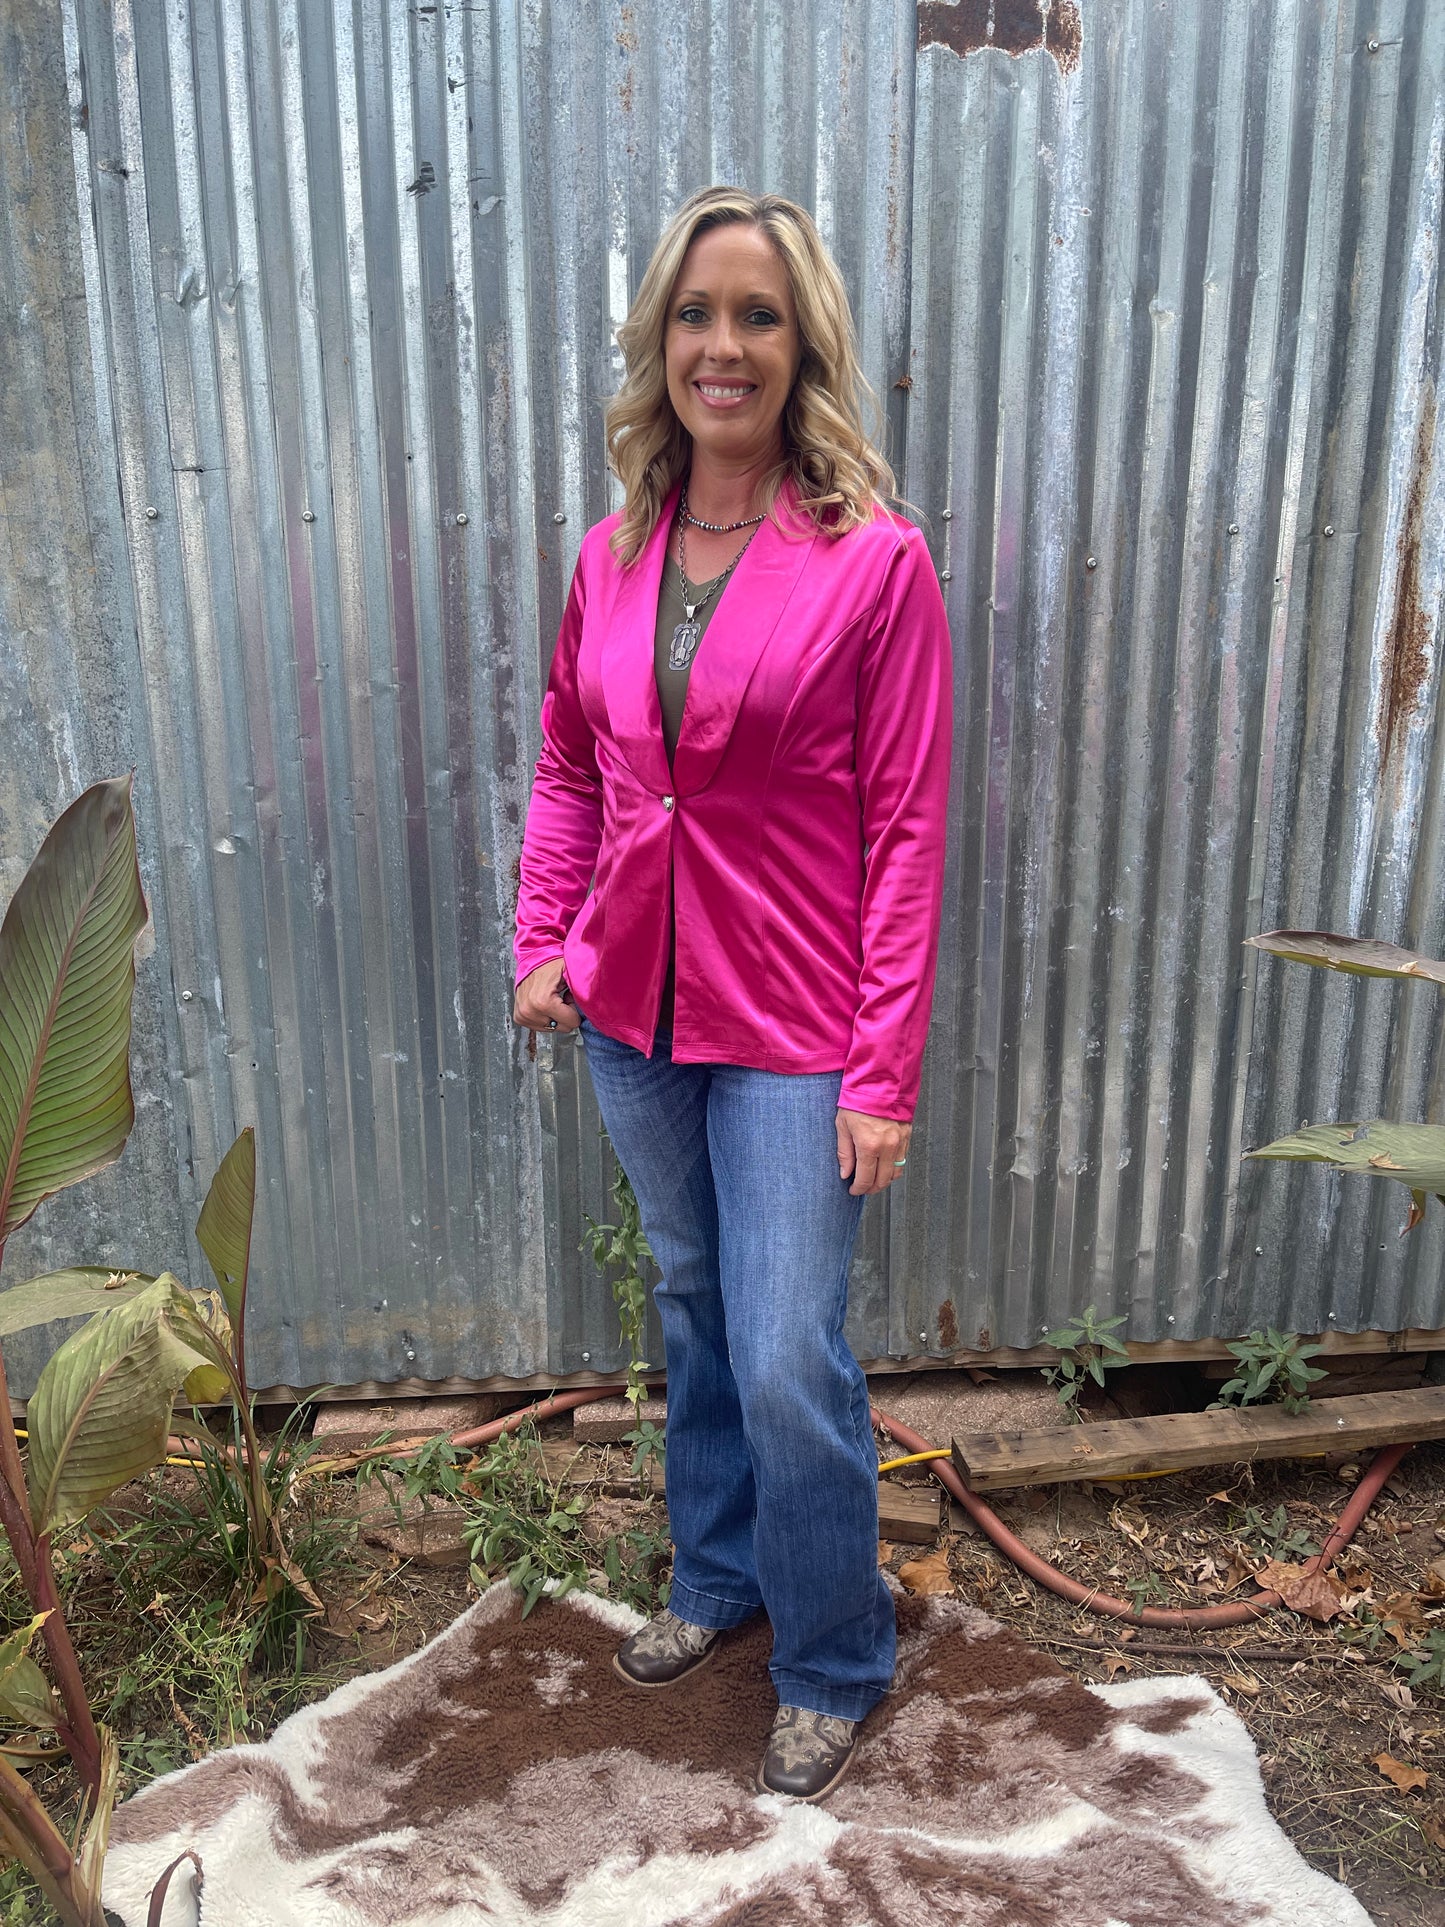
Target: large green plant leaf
x=1412 y=1154
x=1359 y=956
x=25 y=1696
x=223 y=1229
x=102 y=1407
x=67 y=970
x=77 y=1293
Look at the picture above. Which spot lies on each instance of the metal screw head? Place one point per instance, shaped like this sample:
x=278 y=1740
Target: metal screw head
x=923 y=1338
x=1373 y=46
x=1234 y=528
x=152 y=513
x=1091 y=561
x=586 y=1358
x=1170 y=1319
x=187 y=995
x=308 y=515
x=946 y=575
x=948 y=515
x=1259 y=1251
x=1329 y=528
x=462 y=520
x=559 y=517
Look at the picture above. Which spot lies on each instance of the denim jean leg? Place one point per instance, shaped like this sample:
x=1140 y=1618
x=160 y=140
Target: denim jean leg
x=656 y=1116
x=787 y=1225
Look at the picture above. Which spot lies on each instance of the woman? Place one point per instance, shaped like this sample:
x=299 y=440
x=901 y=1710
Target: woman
x=745 y=756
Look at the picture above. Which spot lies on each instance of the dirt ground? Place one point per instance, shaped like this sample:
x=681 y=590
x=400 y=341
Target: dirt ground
x=1321 y=1700
x=1353 y=1759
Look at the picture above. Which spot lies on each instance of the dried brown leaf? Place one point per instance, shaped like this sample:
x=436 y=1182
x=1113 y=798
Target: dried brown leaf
x=1242 y=1683
x=1314 y=1595
x=1407 y=1778
x=1432 y=1825
x=927 y=1575
x=1116 y=1664
x=1397 y=1692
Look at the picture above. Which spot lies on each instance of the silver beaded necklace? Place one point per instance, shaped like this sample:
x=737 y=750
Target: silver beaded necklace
x=688 y=633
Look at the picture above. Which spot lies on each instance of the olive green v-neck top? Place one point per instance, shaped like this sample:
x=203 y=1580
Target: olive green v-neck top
x=672 y=683
x=672 y=695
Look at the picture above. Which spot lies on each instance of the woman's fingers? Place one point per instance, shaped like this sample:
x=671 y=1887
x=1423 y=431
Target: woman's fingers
x=877 y=1150
x=538 y=1003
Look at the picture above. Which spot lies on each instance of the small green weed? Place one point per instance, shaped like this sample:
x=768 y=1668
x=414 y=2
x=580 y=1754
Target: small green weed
x=649 y=1443
x=521 y=1525
x=1276 y=1537
x=1087 y=1349
x=1426 y=1662
x=636 y=1564
x=622 y=1248
x=1271 y=1363
x=1147 y=1589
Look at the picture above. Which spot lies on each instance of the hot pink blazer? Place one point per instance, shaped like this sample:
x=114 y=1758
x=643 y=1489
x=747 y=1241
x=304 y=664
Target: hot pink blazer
x=800 y=830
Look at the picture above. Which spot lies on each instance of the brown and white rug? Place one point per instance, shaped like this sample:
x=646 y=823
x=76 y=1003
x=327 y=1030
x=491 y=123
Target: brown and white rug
x=505 y=1775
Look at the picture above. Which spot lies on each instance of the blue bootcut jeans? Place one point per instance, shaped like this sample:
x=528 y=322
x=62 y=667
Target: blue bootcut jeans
x=772 y=1476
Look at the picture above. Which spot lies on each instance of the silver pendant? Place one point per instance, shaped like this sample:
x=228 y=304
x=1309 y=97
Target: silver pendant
x=683 y=647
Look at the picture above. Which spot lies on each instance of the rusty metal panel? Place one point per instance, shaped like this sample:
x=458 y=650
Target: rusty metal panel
x=1151 y=299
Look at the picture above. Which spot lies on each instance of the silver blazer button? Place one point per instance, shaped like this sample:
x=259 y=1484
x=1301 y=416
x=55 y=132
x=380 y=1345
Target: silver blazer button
x=667 y=802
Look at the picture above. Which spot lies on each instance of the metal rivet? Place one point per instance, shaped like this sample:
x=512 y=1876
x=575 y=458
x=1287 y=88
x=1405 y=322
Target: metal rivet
x=1091 y=561
x=308 y=515
x=948 y=515
x=152 y=514
x=946 y=576
x=1259 y=1251
x=586 y=1358
x=1373 y=46
x=1170 y=1319
x=186 y=996
x=559 y=517
x=667 y=802
x=1329 y=528
x=462 y=520
x=1234 y=528
x=923 y=1338
x=1279 y=578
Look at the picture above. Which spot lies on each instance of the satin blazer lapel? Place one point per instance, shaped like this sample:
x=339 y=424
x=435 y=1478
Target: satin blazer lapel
x=629 y=675
x=743 y=623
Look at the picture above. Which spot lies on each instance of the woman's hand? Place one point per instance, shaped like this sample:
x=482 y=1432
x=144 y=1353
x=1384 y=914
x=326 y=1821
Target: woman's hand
x=537 y=1003
x=871 y=1151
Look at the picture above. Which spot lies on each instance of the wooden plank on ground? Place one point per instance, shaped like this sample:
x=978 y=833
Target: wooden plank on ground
x=908 y=1513
x=990 y=1460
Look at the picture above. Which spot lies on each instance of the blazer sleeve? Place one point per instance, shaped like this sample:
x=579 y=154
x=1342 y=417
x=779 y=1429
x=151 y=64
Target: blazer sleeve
x=564 y=818
x=903 y=754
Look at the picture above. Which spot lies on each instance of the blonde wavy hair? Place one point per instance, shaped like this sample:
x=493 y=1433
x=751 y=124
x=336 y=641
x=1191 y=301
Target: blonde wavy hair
x=838 y=472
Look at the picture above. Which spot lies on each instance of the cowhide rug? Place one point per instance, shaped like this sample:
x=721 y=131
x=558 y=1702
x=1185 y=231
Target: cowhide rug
x=505 y=1775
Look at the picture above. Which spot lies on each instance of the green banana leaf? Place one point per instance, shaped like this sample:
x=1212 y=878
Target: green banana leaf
x=1412 y=1154
x=102 y=1407
x=67 y=970
x=1359 y=956
x=223 y=1229
x=25 y=1696
x=77 y=1293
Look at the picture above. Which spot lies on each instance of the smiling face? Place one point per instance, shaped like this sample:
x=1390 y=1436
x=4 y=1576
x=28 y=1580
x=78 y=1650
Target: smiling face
x=731 y=346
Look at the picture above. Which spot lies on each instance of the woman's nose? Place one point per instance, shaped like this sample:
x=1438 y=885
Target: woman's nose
x=723 y=341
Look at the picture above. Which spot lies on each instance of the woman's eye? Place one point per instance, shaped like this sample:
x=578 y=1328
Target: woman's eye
x=763 y=318
x=691 y=314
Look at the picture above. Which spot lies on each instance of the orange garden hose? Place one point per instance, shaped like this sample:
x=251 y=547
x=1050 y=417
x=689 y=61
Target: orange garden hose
x=1179 y=1618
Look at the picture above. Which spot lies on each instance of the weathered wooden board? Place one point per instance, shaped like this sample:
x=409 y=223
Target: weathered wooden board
x=990 y=1460
x=909 y=1513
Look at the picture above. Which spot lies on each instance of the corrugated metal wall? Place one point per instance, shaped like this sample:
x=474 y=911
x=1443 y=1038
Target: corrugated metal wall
x=308 y=316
